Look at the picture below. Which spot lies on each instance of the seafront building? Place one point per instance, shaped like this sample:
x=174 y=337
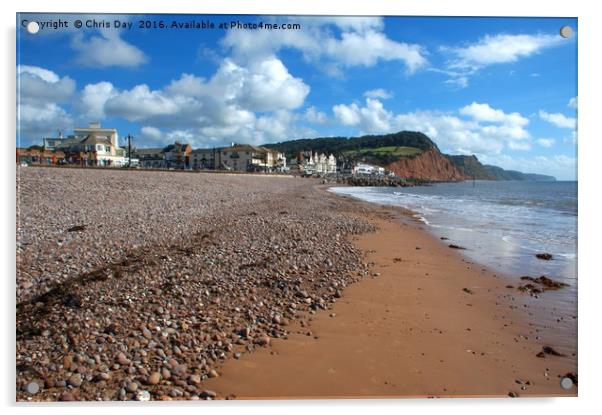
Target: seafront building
x=245 y=157
x=39 y=156
x=364 y=169
x=309 y=163
x=204 y=158
x=90 y=146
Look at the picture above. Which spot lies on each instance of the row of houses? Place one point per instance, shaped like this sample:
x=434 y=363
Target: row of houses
x=237 y=157
x=97 y=146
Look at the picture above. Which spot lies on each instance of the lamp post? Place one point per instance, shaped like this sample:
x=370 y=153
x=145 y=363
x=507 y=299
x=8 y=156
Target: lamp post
x=129 y=138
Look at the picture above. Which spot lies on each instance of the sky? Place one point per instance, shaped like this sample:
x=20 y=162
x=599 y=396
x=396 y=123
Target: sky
x=504 y=89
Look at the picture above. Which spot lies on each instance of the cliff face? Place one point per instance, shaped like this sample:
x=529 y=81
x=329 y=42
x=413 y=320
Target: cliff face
x=430 y=165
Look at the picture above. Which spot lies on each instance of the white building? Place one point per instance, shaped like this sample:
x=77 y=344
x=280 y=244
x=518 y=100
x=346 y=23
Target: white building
x=314 y=163
x=368 y=169
x=91 y=146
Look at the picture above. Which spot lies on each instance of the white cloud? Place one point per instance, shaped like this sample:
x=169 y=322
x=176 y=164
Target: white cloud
x=519 y=145
x=264 y=85
x=573 y=103
x=459 y=81
x=314 y=116
x=558 y=119
x=93 y=99
x=183 y=136
x=39 y=92
x=501 y=48
x=483 y=129
x=151 y=133
x=269 y=86
x=247 y=103
x=41 y=120
x=545 y=142
x=483 y=112
x=39 y=85
x=367 y=48
x=141 y=103
x=360 y=42
x=41 y=73
x=106 y=49
x=466 y=60
x=347 y=114
x=378 y=93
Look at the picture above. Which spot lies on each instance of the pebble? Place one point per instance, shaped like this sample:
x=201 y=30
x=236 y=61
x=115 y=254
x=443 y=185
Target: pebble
x=66 y=396
x=263 y=341
x=165 y=373
x=154 y=378
x=75 y=380
x=32 y=388
x=122 y=359
x=143 y=396
x=182 y=299
x=131 y=386
x=206 y=393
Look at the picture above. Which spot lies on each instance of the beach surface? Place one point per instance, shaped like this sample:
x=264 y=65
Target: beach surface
x=308 y=295
x=426 y=323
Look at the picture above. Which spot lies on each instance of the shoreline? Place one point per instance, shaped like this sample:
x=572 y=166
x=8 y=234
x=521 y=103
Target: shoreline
x=453 y=343
x=196 y=299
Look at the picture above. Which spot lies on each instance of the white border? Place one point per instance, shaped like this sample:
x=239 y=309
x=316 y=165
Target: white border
x=590 y=152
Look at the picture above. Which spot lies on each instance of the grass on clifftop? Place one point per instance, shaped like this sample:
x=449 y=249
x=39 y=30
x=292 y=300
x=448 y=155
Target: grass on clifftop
x=391 y=150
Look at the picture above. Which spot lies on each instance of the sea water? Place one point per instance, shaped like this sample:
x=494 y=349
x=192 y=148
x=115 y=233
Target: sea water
x=502 y=224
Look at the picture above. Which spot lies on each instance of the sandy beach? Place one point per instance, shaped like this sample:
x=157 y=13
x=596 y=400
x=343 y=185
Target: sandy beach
x=200 y=286
x=426 y=323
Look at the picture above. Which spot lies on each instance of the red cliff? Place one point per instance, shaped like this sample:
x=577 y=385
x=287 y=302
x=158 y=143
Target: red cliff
x=430 y=165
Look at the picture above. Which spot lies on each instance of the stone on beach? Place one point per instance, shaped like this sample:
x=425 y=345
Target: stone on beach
x=160 y=273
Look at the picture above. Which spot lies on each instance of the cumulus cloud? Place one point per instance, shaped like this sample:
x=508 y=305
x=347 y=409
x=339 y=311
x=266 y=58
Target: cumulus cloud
x=93 y=99
x=106 y=49
x=315 y=116
x=140 y=103
x=476 y=128
x=151 y=133
x=378 y=93
x=484 y=112
x=42 y=85
x=347 y=114
x=558 y=119
x=330 y=42
x=367 y=48
x=249 y=103
x=40 y=94
x=572 y=103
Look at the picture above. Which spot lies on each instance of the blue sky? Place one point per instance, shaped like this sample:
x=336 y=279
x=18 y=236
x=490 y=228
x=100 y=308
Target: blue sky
x=501 y=88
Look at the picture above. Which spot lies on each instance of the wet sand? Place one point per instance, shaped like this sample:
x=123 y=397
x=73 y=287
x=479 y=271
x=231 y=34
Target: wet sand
x=427 y=323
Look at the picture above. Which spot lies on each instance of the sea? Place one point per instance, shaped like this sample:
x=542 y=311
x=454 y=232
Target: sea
x=502 y=224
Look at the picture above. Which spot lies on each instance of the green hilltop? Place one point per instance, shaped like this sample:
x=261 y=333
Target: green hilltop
x=388 y=148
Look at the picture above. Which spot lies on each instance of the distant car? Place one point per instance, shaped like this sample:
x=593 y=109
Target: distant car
x=23 y=164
